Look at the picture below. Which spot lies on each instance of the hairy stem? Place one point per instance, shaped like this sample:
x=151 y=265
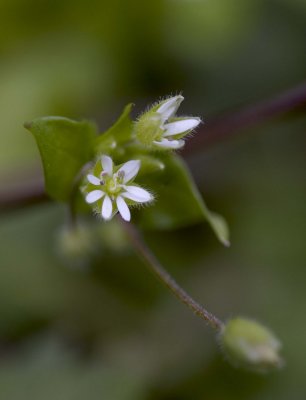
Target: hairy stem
x=159 y=271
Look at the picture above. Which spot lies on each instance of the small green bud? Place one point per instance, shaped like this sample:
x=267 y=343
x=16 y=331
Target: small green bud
x=113 y=237
x=76 y=245
x=249 y=344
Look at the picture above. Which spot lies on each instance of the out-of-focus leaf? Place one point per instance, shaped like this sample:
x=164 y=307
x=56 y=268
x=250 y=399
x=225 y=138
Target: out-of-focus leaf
x=119 y=132
x=178 y=201
x=46 y=369
x=65 y=146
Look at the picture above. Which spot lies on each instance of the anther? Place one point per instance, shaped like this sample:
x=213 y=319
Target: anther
x=121 y=174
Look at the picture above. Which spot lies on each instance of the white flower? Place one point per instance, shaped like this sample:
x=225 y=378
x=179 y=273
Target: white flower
x=113 y=188
x=160 y=127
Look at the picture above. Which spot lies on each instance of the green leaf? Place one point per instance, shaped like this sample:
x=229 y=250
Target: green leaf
x=118 y=133
x=65 y=146
x=178 y=202
x=218 y=225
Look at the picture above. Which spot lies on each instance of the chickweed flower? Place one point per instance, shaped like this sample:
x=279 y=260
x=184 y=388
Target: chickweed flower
x=159 y=127
x=110 y=188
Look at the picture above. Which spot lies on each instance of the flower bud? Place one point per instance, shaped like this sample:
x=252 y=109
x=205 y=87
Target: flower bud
x=113 y=237
x=160 y=128
x=76 y=246
x=249 y=344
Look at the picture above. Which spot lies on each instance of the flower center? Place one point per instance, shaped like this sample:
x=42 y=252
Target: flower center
x=112 y=184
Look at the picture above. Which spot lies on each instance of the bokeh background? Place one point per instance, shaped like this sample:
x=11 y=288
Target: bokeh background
x=106 y=329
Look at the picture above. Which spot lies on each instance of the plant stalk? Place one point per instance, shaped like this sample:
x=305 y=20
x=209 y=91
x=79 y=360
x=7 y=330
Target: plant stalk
x=159 y=271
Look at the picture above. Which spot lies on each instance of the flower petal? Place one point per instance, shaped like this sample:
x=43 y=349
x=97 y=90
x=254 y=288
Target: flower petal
x=94 y=196
x=137 y=194
x=130 y=170
x=169 y=107
x=123 y=209
x=169 y=144
x=107 y=164
x=93 y=180
x=183 y=125
x=107 y=208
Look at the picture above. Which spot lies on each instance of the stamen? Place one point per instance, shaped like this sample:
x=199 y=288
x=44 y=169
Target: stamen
x=121 y=175
x=103 y=173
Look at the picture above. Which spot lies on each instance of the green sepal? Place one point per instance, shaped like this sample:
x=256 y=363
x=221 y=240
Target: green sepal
x=65 y=146
x=151 y=163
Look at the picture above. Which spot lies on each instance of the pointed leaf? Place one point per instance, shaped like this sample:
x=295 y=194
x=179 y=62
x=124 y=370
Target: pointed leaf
x=118 y=133
x=178 y=202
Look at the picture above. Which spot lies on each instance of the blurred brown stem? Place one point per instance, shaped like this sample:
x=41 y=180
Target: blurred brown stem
x=159 y=271
x=231 y=124
x=23 y=196
x=211 y=133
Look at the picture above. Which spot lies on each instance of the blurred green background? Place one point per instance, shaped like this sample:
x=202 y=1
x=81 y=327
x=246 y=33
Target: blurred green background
x=70 y=329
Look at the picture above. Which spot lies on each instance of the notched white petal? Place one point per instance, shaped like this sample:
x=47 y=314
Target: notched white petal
x=123 y=209
x=93 y=180
x=93 y=196
x=129 y=169
x=107 y=164
x=107 y=208
x=140 y=195
x=169 y=107
x=169 y=144
x=184 y=125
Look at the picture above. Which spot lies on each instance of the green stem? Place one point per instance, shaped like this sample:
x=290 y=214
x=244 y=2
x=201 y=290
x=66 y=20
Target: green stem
x=159 y=271
x=72 y=215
